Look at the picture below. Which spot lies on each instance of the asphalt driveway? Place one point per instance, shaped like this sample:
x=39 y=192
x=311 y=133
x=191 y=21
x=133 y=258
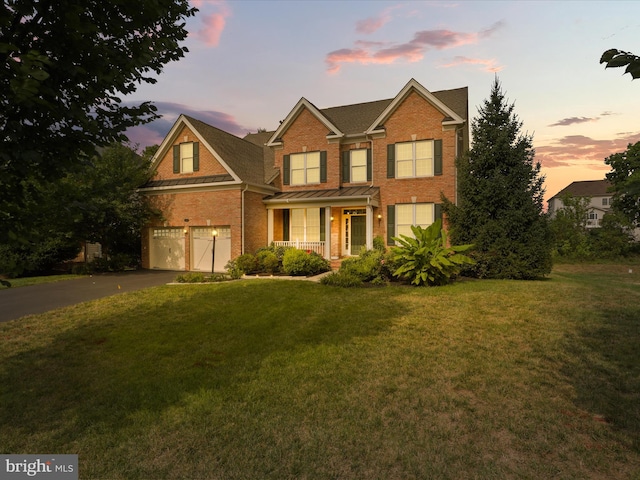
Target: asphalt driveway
x=18 y=302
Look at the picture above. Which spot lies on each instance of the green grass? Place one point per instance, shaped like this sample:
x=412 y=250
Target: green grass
x=269 y=379
x=27 y=281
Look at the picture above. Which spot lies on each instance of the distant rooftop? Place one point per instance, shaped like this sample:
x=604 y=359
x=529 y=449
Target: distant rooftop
x=586 y=188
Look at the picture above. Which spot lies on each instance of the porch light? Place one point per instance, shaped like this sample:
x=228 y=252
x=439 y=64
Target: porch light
x=332 y=218
x=379 y=216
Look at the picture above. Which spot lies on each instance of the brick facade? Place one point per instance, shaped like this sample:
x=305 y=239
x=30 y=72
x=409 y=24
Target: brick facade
x=413 y=117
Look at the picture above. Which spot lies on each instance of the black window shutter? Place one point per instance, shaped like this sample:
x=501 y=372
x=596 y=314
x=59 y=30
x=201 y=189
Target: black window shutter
x=391 y=160
x=323 y=166
x=369 y=165
x=196 y=156
x=391 y=224
x=323 y=218
x=286 y=170
x=346 y=164
x=176 y=159
x=437 y=157
x=437 y=212
x=285 y=225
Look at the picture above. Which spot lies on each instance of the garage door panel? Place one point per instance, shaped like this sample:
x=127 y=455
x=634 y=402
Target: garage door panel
x=202 y=243
x=166 y=249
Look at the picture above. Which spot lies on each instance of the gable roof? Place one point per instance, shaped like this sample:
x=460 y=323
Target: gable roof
x=450 y=117
x=364 y=118
x=243 y=160
x=586 y=188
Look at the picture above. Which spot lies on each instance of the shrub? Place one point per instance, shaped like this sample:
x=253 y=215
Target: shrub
x=300 y=262
x=342 y=279
x=247 y=263
x=267 y=261
x=425 y=259
x=190 y=277
x=368 y=266
x=232 y=270
x=379 y=244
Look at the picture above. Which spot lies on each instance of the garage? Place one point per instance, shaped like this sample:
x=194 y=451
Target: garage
x=202 y=244
x=166 y=249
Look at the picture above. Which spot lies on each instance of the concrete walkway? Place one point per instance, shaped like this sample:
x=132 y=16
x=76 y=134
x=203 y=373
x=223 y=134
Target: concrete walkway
x=34 y=299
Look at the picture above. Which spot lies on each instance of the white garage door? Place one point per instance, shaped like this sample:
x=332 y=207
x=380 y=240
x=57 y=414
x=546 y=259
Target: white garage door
x=166 y=249
x=201 y=248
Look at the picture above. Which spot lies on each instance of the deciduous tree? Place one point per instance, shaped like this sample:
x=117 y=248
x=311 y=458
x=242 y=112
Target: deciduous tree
x=65 y=66
x=625 y=180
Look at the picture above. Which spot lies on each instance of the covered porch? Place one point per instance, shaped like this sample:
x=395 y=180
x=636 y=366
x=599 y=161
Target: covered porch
x=334 y=223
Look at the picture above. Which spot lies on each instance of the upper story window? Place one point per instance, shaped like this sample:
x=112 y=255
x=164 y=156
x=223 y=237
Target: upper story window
x=421 y=158
x=605 y=202
x=306 y=168
x=356 y=166
x=186 y=158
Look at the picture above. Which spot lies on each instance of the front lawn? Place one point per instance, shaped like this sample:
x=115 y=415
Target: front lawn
x=267 y=379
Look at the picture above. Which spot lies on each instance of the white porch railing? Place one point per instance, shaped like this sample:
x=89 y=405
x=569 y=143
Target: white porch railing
x=317 y=247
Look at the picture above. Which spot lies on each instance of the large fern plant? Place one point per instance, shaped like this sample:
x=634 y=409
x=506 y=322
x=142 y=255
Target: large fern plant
x=427 y=259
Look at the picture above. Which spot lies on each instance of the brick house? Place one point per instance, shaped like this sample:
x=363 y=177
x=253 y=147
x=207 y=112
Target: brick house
x=328 y=180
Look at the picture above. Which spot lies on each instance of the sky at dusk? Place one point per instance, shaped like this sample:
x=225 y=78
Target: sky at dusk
x=249 y=62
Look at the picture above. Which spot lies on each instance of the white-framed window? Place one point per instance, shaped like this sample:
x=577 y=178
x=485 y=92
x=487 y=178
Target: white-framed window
x=414 y=159
x=419 y=214
x=305 y=168
x=186 y=157
x=605 y=202
x=168 y=233
x=305 y=224
x=358 y=165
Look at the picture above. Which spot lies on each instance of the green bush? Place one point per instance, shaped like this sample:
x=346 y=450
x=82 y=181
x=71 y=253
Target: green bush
x=233 y=270
x=342 y=279
x=379 y=244
x=368 y=266
x=425 y=259
x=247 y=263
x=191 y=277
x=300 y=262
x=267 y=261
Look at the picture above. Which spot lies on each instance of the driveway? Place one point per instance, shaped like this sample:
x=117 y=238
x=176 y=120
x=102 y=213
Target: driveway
x=18 y=302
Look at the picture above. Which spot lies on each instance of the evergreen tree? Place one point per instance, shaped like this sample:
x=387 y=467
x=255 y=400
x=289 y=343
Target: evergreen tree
x=500 y=197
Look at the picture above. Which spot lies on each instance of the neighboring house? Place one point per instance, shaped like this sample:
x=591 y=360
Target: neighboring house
x=327 y=180
x=596 y=190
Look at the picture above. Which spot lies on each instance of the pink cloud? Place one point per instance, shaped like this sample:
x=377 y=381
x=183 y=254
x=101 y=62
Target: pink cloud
x=412 y=51
x=584 y=151
x=213 y=23
x=372 y=24
x=488 y=64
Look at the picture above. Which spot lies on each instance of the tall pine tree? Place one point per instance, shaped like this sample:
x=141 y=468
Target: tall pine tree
x=500 y=197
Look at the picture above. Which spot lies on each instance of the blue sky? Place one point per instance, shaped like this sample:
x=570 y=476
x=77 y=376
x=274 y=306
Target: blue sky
x=250 y=61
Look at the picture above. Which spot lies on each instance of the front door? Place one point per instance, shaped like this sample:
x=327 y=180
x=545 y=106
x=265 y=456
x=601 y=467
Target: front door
x=355 y=231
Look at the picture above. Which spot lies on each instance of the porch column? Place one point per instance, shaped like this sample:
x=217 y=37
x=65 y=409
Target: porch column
x=327 y=233
x=269 y=226
x=369 y=225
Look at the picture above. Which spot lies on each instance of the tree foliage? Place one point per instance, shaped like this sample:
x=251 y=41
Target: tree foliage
x=615 y=58
x=569 y=227
x=500 y=197
x=426 y=258
x=65 y=65
x=625 y=180
x=107 y=207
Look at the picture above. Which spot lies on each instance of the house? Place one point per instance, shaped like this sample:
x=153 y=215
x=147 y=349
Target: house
x=596 y=190
x=327 y=180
